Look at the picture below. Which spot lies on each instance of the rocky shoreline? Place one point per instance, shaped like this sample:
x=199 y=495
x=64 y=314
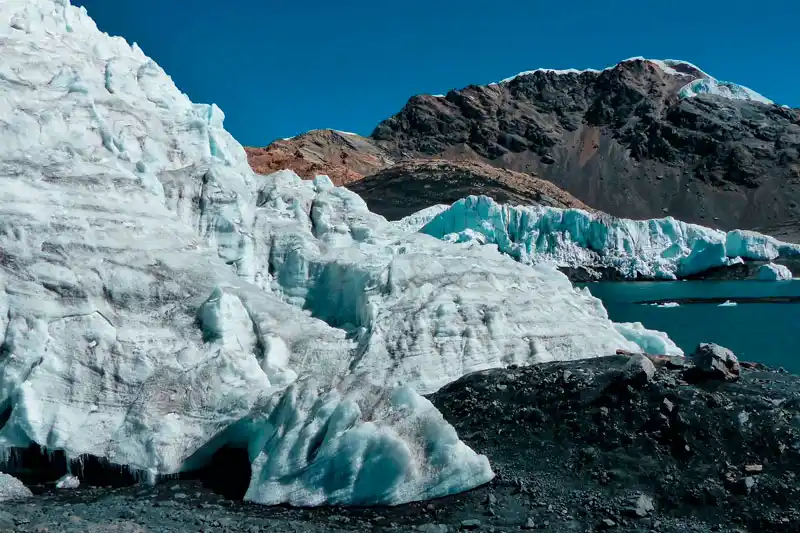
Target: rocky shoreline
x=622 y=443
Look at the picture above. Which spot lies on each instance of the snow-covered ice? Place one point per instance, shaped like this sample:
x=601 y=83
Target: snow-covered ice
x=698 y=81
x=773 y=272
x=67 y=482
x=12 y=489
x=658 y=248
x=158 y=300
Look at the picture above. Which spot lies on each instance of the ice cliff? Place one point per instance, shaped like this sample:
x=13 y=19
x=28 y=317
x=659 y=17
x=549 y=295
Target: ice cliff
x=158 y=300
x=659 y=248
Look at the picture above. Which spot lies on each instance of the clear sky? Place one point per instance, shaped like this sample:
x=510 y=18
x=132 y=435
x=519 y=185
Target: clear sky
x=281 y=67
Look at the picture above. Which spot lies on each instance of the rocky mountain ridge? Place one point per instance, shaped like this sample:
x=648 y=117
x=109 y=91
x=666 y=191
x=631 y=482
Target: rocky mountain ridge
x=642 y=139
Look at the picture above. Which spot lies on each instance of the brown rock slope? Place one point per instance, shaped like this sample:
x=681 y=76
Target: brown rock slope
x=343 y=157
x=409 y=186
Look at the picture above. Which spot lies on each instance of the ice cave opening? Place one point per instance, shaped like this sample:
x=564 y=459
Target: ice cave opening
x=38 y=467
x=227 y=473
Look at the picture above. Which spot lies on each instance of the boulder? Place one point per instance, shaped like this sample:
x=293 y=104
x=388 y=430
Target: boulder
x=712 y=361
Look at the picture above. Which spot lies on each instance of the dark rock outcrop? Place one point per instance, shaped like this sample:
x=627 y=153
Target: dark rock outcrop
x=410 y=186
x=622 y=141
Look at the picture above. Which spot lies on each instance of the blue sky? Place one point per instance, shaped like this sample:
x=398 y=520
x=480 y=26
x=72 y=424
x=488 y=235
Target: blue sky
x=281 y=67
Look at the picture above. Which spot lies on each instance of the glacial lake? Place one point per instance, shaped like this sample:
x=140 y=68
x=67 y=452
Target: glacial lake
x=767 y=333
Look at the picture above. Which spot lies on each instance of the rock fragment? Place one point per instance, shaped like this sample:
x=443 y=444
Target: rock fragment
x=712 y=362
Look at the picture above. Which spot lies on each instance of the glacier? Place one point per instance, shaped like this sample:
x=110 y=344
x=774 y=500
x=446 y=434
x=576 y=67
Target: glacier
x=665 y=248
x=773 y=272
x=159 y=301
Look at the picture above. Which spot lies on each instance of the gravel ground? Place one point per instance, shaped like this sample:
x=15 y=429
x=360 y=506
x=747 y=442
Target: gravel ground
x=612 y=444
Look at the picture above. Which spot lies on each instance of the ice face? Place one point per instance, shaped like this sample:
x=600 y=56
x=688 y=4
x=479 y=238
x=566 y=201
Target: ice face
x=158 y=299
x=659 y=248
x=772 y=272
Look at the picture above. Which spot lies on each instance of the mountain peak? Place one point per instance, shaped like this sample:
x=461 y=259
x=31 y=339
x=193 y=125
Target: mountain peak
x=697 y=80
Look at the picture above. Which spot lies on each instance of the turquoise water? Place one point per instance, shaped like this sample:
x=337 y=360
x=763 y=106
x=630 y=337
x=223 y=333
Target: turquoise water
x=768 y=333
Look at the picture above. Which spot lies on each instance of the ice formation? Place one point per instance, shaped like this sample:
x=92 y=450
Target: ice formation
x=12 y=489
x=652 y=342
x=773 y=272
x=68 y=481
x=158 y=300
x=698 y=81
x=659 y=248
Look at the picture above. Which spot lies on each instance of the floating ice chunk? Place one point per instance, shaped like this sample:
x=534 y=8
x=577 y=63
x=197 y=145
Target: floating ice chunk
x=773 y=272
x=666 y=305
x=650 y=341
x=728 y=303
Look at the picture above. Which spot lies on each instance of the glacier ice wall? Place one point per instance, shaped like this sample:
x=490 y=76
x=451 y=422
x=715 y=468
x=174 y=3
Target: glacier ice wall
x=773 y=272
x=659 y=248
x=158 y=300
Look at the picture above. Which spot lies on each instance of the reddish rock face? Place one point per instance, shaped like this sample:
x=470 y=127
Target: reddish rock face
x=343 y=157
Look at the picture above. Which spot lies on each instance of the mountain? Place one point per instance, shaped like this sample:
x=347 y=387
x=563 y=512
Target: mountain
x=641 y=139
x=412 y=185
x=344 y=157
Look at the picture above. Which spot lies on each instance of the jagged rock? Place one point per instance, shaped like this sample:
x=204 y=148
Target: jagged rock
x=712 y=361
x=639 y=369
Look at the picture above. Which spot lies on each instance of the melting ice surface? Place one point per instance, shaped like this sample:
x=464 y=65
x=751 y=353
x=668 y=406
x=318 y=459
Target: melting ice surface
x=158 y=300
x=658 y=248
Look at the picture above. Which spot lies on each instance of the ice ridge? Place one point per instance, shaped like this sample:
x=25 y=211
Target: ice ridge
x=658 y=248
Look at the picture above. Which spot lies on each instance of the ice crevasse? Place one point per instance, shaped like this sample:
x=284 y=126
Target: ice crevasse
x=657 y=248
x=158 y=300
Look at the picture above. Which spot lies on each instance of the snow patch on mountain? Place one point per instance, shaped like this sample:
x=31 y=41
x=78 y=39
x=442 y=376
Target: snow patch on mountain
x=159 y=300
x=698 y=81
x=722 y=88
x=660 y=248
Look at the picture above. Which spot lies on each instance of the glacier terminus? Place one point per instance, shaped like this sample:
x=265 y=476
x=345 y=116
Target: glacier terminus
x=160 y=301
